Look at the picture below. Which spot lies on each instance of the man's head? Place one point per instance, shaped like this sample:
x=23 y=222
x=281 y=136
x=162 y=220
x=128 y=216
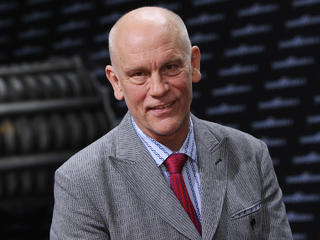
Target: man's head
x=153 y=67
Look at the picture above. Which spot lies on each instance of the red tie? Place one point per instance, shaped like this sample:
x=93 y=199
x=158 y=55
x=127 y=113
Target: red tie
x=174 y=164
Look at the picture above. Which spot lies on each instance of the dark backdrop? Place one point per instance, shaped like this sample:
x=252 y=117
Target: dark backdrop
x=260 y=65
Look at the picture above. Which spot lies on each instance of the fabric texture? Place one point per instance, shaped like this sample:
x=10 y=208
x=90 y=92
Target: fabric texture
x=113 y=189
x=174 y=163
x=190 y=172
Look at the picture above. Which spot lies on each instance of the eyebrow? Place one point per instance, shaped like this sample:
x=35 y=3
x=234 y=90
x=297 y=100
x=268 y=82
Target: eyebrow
x=131 y=70
x=176 y=60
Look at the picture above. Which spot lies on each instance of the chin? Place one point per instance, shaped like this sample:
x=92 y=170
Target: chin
x=167 y=132
x=167 y=128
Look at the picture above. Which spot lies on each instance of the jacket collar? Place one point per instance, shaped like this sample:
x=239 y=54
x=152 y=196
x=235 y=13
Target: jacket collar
x=213 y=157
x=134 y=162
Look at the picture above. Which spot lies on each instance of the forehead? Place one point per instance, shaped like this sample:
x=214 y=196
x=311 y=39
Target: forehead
x=143 y=41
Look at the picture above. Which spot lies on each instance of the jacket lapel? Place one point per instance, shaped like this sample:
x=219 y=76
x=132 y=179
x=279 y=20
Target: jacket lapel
x=134 y=162
x=212 y=156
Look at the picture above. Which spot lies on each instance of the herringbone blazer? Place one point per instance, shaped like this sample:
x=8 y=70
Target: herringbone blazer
x=113 y=189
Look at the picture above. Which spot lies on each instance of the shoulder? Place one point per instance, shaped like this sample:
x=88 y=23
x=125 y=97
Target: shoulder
x=90 y=160
x=235 y=138
x=246 y=154
x=93 y=162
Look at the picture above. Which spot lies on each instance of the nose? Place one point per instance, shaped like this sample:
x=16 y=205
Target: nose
x=158 y=87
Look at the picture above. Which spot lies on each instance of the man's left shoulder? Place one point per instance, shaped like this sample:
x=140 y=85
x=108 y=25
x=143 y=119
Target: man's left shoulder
x=232 y=135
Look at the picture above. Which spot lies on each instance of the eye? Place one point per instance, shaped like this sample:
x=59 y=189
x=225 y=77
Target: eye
x=171 y=66
x=171 y=69
x=138 y=74
x=138 y=77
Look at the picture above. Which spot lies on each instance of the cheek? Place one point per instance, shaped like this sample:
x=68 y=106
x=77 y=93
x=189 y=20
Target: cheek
x=134 y=96
x=184 y=86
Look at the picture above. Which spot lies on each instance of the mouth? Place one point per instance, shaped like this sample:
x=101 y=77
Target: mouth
x=162 y=106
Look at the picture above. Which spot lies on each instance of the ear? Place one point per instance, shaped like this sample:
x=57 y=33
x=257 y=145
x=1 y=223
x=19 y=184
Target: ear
x=113 y=79
x=195 y=62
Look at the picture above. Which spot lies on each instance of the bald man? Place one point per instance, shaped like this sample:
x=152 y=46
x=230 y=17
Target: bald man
x=162 y=173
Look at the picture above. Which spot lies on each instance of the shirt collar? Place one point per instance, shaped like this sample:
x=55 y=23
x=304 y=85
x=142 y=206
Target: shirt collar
x=159 y=152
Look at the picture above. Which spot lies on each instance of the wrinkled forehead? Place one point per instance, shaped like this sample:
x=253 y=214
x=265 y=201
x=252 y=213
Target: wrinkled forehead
x=138 y=35
x=145 y=43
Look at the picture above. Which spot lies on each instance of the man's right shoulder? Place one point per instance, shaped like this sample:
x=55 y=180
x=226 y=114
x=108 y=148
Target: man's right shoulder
x=92 y=157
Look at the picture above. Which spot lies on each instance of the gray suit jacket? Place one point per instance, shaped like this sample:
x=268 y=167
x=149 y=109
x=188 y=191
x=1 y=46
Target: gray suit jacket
x=113 y=189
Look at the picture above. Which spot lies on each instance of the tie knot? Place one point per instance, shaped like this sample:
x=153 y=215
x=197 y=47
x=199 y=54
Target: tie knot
x=175 y=162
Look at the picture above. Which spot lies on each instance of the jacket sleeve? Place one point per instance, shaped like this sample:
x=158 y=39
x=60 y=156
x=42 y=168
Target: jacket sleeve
x=74 y=216
x=275 y=223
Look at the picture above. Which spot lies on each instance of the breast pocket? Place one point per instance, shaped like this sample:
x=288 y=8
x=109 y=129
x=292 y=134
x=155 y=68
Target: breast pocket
x=247 y=222
x=247 y=211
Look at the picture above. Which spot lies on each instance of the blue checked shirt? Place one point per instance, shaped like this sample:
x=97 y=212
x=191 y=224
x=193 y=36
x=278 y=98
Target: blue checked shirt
x=190 y=170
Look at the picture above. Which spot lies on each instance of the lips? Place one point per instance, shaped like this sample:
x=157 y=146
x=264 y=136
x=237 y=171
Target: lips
x=162 y=106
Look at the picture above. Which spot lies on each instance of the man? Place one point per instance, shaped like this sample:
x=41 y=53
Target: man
x=123 y=187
